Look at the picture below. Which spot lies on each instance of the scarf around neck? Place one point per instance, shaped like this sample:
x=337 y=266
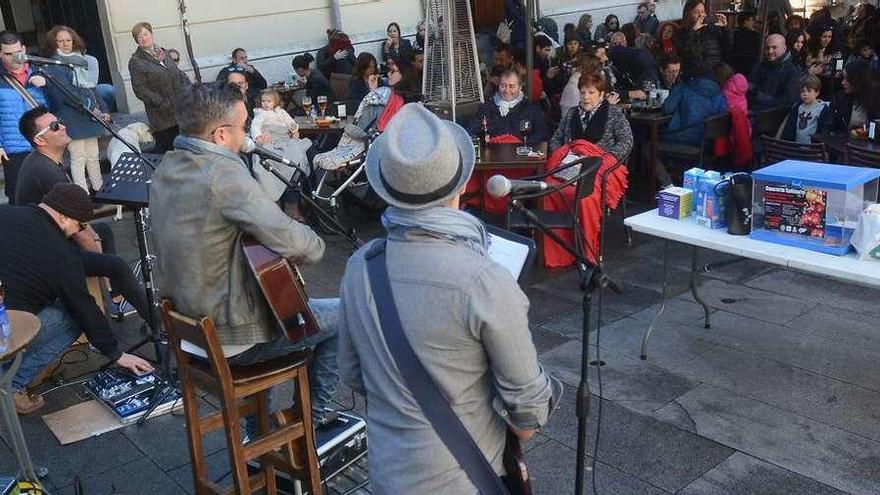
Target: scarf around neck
x=595 y=128
x=439 y=222
x=80 y=74
x=504 y=106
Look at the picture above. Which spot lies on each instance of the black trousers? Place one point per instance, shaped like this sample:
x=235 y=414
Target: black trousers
x=10 y=172
x=164 y=139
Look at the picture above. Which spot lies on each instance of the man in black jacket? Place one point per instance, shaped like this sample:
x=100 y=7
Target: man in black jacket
x=775 y=81
x=43 y=274
x=256 y=81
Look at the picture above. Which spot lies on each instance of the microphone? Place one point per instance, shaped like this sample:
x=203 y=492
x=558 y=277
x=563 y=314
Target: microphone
x=250 y=146
x=500 y=186
x=22 y=57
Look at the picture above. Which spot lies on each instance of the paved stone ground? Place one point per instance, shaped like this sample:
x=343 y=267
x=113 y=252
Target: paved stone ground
x=780 y=396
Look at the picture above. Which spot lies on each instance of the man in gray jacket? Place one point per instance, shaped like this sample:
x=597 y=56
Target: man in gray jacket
x=463 y=314
x=202 y=199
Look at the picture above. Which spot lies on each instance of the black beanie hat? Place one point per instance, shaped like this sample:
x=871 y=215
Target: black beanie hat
x=70 y=200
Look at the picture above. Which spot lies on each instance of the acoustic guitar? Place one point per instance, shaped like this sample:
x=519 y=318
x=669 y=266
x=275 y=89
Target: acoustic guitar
x=283 y=287
x=517 y=479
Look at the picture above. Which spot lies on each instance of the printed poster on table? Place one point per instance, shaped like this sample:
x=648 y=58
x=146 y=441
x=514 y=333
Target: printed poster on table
x=794 y=209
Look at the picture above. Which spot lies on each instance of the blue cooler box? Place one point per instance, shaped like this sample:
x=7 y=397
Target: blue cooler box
x=810 y=205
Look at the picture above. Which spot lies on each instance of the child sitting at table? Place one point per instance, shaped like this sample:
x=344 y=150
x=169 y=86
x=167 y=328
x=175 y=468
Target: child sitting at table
x=271 y=121
x=808 y=117
x=274 y=128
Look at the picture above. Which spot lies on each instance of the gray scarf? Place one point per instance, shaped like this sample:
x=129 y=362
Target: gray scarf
x=441 y=222
x=504 y=106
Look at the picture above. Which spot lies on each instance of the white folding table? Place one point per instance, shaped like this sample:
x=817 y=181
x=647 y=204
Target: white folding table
x=847 y=268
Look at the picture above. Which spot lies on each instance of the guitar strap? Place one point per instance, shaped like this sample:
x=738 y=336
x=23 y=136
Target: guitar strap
x=21 y=90
x=431 y=400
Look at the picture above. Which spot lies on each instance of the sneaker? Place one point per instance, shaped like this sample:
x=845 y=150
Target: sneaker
x=121 y=309
x=26 y=403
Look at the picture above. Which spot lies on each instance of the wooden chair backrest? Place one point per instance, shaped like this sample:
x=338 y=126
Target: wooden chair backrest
x=201 y=333
x=777 y=150
x=859 y=156
x=768 y=121
x=339 y=85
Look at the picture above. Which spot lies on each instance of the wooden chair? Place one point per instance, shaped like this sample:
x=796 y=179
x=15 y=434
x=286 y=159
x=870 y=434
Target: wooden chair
x=717 y=126
x=767 y=122
x=242 y=391
x=856 y=155
x=777 y=150
x=339 y=85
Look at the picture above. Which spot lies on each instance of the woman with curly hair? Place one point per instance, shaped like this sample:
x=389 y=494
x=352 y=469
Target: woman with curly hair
x=665 y=46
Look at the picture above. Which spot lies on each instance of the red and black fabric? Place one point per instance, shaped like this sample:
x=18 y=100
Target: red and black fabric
x=590 y=207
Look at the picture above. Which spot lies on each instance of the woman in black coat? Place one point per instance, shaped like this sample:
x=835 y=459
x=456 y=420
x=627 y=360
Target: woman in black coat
x=365 y=77
x=395 y=47
x=698 y=43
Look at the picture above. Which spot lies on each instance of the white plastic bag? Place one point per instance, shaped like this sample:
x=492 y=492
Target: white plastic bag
x=866 y=237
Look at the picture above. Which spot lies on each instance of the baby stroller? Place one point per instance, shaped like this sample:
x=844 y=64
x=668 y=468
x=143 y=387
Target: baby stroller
x=340 y=172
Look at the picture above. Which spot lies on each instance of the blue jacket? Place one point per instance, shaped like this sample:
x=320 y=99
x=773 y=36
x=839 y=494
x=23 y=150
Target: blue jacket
x=12 y=107
x=690 y=104
x=79 y=124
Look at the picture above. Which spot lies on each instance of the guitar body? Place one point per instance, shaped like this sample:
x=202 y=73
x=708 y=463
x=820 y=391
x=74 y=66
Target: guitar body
x=284 y=289
x=517 y=479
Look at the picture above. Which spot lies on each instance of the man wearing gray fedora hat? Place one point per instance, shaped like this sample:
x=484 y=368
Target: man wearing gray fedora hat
x=464 y=316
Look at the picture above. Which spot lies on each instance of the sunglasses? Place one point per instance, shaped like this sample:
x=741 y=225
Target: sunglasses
x=54 y=126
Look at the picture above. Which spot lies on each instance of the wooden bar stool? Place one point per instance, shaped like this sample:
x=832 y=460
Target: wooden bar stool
x=243 y=391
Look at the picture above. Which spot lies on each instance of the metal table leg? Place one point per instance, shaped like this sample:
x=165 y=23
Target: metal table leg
x=693 y=285
x=13 y=426
x=660 y=311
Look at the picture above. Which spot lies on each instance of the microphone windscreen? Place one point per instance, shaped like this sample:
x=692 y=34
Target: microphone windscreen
x=498 y=186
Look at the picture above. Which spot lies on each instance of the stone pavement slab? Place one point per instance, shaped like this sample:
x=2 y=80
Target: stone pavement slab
x=742 y=474
x=139 y=476
x=840 y=325
x=804 y=446
x=819 y=290
x=760 y=304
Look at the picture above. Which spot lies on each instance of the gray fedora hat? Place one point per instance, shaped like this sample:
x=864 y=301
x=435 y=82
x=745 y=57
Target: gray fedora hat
x=420 y=160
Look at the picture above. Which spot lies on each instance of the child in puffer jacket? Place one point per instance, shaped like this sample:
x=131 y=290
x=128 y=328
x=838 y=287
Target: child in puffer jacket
x=735 y=88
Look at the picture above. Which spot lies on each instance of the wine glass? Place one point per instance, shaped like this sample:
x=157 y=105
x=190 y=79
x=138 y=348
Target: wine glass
x=307 y=105
x=322 y=105
x=525 y=128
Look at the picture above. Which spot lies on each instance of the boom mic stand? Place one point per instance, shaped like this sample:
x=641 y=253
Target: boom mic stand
x=592 y=279
x=349 y=234
x=157 y=336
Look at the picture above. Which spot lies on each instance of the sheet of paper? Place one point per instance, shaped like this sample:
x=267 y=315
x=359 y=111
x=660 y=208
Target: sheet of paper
x=509 y=254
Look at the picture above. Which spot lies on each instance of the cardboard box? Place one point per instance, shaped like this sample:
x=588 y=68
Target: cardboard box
x=675 y=202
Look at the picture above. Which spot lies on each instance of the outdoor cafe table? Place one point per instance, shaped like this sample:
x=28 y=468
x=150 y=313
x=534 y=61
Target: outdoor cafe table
x=836 y=144
x=847 y=268
x=499 y=157
x=24 y=328
x=308 y=127
x=652 y=121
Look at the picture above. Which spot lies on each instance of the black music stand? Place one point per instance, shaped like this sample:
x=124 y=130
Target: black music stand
x=129 y=185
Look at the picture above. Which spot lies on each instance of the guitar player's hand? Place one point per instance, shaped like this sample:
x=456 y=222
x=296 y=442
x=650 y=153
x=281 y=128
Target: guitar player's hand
x=523 y=435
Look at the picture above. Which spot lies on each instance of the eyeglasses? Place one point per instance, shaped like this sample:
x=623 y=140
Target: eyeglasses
x=53 y=126
x=242 y=127
x=82 y=226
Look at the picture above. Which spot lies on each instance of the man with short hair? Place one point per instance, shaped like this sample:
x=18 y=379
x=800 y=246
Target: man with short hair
x=238 y=78
x=774 y=81
x=41 y=171
x=19 y=91
x=256 y=81
x=646 y=22
x=670 y=72
x=43 y=274
x=463 y=314
x=202 y=200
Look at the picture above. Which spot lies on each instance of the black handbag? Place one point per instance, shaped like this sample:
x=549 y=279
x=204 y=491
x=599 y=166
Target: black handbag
x=738 y=209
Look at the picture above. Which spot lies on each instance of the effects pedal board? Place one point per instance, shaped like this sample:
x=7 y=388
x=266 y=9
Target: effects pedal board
x=340 y=444
x=128 y=395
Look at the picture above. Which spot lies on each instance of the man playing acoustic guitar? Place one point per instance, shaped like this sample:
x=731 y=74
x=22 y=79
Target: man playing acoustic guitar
x=202 y=200
x=463 y=315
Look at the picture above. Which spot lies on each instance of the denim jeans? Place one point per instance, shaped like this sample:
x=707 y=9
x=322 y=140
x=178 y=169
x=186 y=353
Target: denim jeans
x=57 y=332
x=323 y=372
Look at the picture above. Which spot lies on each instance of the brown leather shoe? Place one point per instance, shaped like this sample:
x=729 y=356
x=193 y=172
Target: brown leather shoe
x=26 y=403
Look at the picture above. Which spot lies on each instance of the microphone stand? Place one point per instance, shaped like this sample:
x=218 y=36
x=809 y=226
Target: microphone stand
x=157 y=336
x=349 y=233
x=592 y=279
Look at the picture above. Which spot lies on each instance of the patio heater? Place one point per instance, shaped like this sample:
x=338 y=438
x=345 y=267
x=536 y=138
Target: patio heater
x=451 y=73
